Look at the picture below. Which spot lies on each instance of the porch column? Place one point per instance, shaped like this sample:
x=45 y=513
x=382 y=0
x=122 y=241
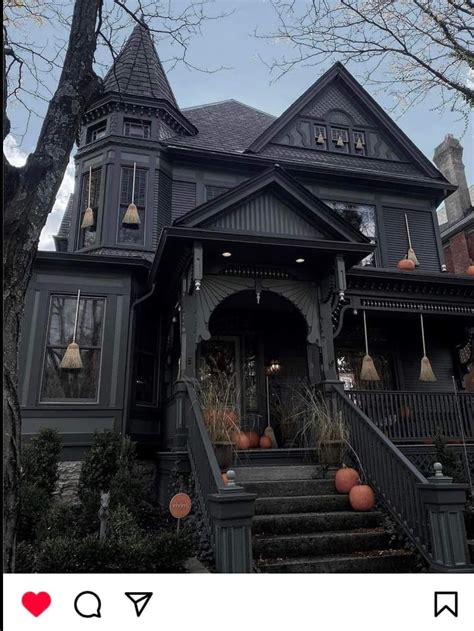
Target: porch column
x=313 y=354
x=327 y=344
x=188 y=335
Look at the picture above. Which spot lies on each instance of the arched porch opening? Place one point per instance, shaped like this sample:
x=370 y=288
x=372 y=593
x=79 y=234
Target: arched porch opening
x=263 y=347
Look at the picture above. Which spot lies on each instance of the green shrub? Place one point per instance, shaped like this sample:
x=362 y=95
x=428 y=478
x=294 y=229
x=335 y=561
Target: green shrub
x=452 y=466
x=40 y=460
x=139 y=554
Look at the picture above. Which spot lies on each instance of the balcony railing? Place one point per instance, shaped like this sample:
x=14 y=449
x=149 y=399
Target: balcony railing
x=417 y=416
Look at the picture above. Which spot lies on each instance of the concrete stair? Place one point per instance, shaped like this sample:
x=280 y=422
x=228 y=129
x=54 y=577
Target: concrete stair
x=303 y=525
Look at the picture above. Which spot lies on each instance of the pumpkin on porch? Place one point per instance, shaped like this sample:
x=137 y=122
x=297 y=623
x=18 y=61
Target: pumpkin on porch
x=470 y=270
x=406 y=265
x=241 y=440
x=362 y=498
x=254 y=439
x=265 y=442
x=346 y=478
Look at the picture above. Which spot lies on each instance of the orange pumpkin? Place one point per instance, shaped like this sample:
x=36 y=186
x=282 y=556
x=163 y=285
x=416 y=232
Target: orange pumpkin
x=241 y=440
x=470 y=270
x=265 y=442
x=225 y=478
x=345 y=479
x=362 y=498
x=254 y=439
x=406 y=265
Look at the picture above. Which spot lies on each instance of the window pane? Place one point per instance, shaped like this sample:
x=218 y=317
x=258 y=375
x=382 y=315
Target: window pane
x=89 y=322
x=133 y=236
x=127 y=186
x=360 y=216
x=349 y=365
x=60 y=384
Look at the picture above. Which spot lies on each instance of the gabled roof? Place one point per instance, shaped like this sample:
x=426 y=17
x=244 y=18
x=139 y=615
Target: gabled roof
x=137 y=71
x=337 y=73
x=228 y=126
x=306 y=205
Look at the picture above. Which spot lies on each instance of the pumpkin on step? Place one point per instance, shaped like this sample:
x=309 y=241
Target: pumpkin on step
x=346 y=478
x=362 y=498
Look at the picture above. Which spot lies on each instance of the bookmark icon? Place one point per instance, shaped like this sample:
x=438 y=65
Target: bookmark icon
x=140 y=600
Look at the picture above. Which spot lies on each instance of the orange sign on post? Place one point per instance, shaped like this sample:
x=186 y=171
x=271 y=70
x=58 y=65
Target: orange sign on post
x=180 y=505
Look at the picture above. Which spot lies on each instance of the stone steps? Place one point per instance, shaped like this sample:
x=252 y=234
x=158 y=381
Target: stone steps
x=302 y=524
x=378 y=561
x=276 y=473
x=319 y=543
x=301 y=504
x=285 y=488
x=314 y=522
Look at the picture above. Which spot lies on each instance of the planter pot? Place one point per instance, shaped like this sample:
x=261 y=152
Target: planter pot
x=224 y=454
x=331 y=453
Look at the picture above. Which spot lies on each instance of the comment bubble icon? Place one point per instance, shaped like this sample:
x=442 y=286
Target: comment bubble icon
x=87 y=605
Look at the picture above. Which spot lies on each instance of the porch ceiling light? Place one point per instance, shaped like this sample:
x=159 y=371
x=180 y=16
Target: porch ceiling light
x=274 y=368
x=299 y=261
x=226 y=254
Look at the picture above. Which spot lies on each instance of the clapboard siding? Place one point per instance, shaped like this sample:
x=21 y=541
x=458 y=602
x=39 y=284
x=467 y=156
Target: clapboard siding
x=163 y=204
x=265 y=214
x=423 y=237
x=184 y=198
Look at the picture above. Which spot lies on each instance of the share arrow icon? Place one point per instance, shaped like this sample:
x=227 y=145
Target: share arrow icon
x=140 y=600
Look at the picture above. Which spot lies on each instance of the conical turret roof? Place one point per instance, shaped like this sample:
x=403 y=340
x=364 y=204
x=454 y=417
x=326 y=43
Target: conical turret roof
x=137 y=71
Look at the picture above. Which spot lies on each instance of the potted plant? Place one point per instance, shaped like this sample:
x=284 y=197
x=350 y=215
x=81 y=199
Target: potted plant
x=320 y=429
x=217 y=396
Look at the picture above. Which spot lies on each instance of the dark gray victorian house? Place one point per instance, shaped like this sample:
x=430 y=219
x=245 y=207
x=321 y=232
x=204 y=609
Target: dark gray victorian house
x=265 y=244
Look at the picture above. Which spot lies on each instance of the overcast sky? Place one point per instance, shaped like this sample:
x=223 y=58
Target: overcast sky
x=230 y=43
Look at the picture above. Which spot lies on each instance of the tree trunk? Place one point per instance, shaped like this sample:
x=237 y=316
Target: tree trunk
x=30 y=192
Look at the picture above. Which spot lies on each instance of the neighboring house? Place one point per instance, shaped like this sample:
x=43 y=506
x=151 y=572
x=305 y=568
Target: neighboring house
x=456 y=216
x=262 y=244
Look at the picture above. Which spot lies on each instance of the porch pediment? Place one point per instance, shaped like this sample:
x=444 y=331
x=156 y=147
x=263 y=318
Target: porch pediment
x=273 y=203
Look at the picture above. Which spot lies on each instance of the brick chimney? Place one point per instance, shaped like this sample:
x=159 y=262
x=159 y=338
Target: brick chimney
x=448 y=159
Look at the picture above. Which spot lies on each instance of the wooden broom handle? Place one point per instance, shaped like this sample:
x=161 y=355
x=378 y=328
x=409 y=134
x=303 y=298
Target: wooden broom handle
x=423 y=335
x=133 y=182
x=408 y=231
x=90 y=186
x=365 y=333
x=77 y=315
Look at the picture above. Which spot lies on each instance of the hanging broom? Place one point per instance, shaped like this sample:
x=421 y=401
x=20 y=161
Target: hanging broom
x=426 y=372
x=88 y=219
x=368 y=371
x=269 y=429
x=411 y=256
x=131 y=218
x=72 y=356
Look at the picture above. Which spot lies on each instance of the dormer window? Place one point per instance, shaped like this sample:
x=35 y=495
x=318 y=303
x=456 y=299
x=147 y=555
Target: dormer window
x=136 y=128
x=340 y=139
x=97 y=131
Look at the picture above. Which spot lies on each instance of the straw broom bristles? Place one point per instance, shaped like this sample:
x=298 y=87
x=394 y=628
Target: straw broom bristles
x=88 y=219
x=131 y=217
x=368 y=371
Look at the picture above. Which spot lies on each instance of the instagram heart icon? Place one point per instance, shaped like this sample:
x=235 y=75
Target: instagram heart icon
x=36 y=603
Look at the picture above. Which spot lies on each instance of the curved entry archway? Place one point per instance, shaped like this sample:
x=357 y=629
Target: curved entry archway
x=263 y=345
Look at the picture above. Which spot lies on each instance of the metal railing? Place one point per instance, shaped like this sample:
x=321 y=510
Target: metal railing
x=227 y=509
x=424 y=508
x=415 y=416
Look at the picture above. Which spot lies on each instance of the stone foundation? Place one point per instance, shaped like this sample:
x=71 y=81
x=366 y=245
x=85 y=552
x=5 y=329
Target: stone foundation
x=68 y=481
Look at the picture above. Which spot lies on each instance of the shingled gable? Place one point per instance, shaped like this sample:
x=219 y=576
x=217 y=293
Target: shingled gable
x=269 y=202
x=356 y=98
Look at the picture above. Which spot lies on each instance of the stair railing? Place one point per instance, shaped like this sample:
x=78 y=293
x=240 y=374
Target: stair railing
x=227 y=508
x=429 y=511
